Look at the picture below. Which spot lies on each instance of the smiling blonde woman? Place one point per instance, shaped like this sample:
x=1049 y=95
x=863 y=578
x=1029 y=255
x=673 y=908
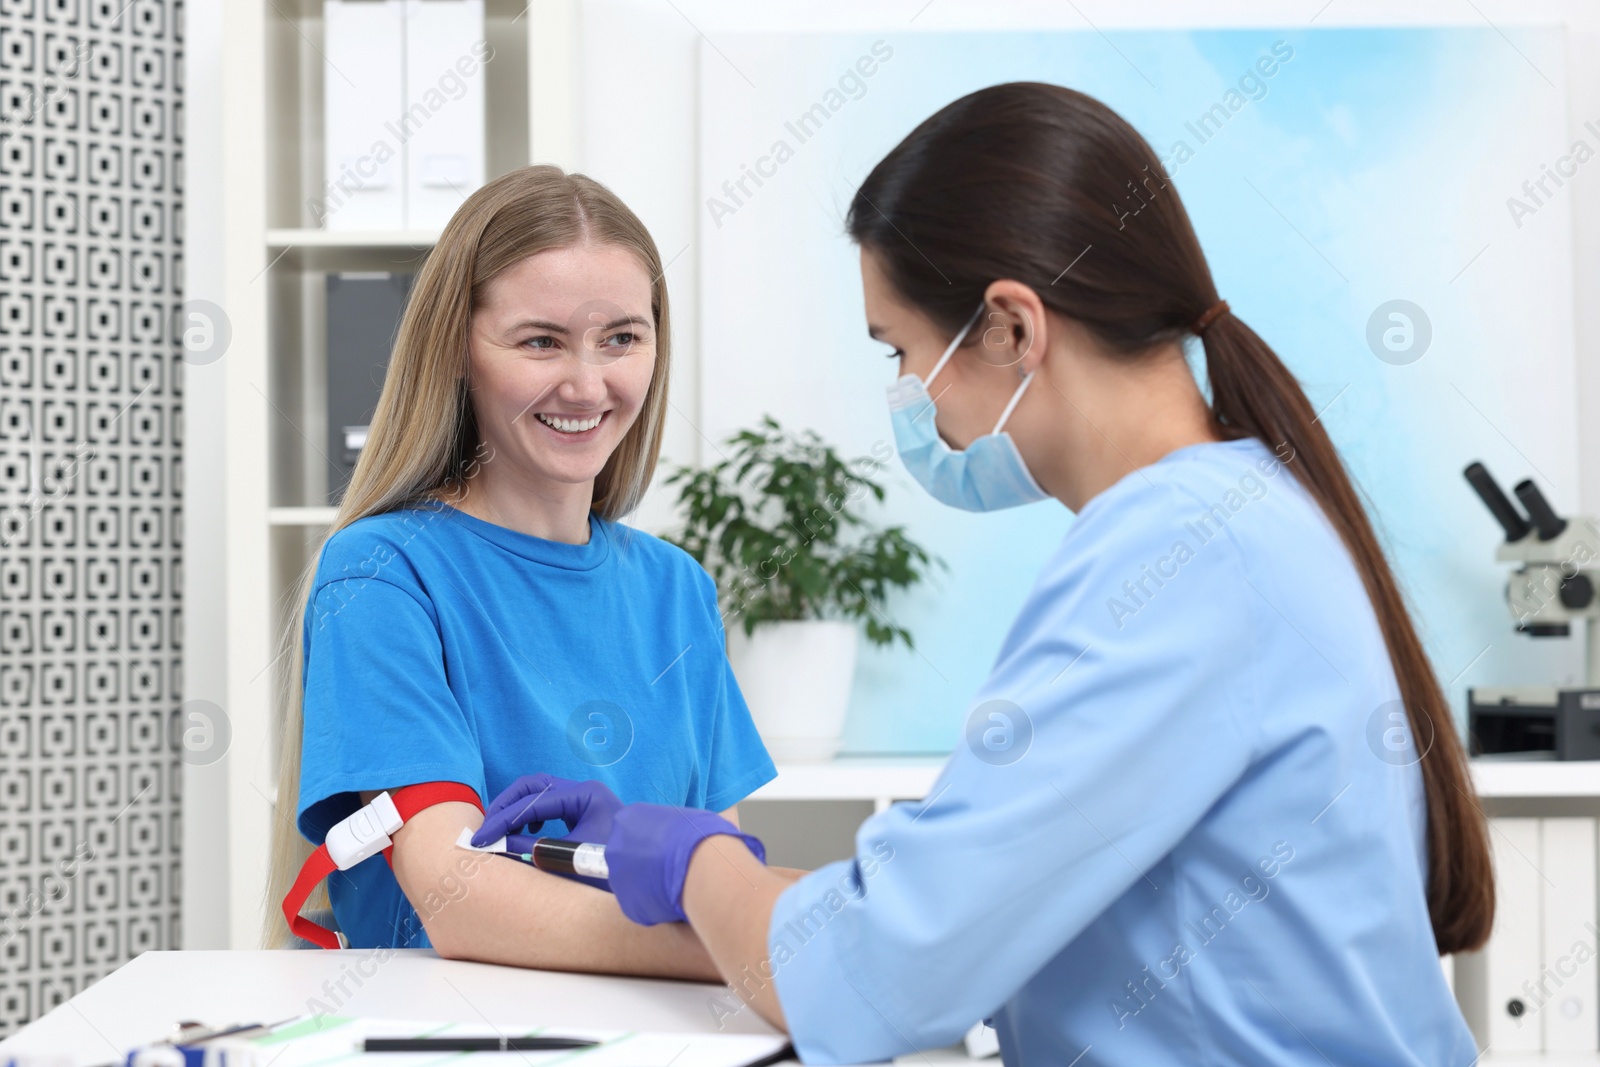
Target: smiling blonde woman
x=477 y=600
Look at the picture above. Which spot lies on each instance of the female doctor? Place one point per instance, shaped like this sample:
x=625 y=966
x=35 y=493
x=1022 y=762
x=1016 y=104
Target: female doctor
x=1211 y=807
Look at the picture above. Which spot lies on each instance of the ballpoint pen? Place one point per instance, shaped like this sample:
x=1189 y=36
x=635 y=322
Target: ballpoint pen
x=527 y=1043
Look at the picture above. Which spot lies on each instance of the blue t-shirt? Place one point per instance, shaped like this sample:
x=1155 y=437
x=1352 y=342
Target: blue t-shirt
x=441 y=647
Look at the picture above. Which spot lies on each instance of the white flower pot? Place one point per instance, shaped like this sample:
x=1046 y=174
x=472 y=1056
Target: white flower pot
x=796 y=677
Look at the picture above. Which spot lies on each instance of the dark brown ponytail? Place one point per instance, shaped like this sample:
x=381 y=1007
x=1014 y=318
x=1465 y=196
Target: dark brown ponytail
x=1050 y=187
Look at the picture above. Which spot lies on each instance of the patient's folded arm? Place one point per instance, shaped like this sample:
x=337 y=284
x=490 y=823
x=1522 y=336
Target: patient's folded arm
x=480 y=906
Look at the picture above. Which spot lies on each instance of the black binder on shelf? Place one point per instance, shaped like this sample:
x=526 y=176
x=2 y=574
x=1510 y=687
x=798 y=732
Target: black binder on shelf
x=364 y=309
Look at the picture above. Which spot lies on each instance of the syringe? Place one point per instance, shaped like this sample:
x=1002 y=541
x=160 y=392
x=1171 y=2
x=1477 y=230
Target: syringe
x=583 y=858
x=567 y=857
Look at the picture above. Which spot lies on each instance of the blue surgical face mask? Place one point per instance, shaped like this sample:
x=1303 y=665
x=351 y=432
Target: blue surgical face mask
x=986 y=475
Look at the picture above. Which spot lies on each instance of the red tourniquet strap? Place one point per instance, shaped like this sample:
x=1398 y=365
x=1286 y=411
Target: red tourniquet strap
x=408 y=800
x=317 y=867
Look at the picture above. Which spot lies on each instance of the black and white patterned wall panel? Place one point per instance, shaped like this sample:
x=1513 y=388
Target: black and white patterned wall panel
x=91 y=169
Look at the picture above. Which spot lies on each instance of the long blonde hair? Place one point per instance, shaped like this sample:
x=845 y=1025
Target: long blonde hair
x=423 y=436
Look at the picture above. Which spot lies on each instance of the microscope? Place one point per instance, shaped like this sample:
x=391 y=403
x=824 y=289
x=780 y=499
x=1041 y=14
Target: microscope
x=1557 y=580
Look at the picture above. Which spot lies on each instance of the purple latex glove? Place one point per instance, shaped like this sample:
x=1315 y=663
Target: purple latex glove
x=519 y=812
x=648 y=853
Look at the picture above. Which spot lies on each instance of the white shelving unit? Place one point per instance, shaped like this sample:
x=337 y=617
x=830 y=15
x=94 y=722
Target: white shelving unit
x=315 y=238
x=885 y=779
x=319 y=515
x=1537 y=779
x=880 y=779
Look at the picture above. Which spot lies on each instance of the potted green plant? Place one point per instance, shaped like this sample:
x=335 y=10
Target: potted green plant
x=799 y=572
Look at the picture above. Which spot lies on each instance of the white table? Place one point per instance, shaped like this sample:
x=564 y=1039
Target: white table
x=143 y=997
x=140 y=1000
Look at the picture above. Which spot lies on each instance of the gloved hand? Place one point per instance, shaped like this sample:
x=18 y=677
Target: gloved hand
x=519 y=812
x=648 y=853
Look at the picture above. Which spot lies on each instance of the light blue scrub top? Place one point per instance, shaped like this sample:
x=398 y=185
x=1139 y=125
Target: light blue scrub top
x=1192 y=836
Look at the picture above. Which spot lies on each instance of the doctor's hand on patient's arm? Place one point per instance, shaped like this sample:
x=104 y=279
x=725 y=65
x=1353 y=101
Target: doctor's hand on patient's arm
x=668 y=864
x=490 y=908
x=588 y=808
x=647 y=846
x=518 y=814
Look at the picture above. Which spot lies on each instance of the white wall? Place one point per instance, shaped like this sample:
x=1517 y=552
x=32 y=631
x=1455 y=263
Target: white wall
x=205 y=807
x=637 y=129
x=639 y=135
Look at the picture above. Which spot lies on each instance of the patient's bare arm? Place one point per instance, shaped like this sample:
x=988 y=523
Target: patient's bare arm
x=479 y=906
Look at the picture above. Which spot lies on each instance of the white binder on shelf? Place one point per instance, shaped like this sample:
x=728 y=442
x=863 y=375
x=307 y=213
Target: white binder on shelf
x=1494 y=986
x=443 y=121
x=363 y=93
x=1566 y=987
